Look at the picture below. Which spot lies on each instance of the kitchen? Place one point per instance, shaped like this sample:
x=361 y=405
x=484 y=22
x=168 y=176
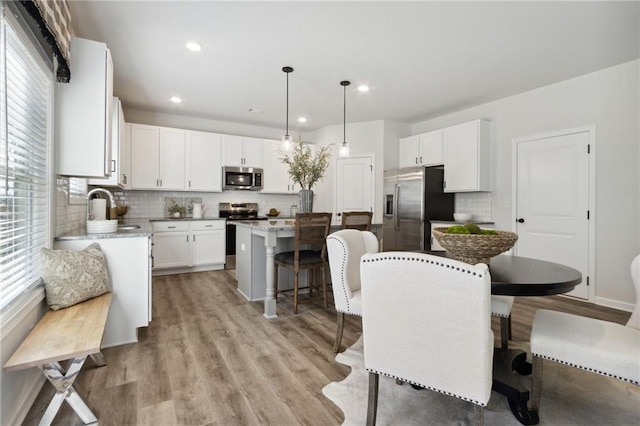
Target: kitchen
x=604 y=96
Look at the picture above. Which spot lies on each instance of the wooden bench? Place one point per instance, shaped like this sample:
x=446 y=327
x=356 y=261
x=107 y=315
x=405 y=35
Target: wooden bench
x=67 y=334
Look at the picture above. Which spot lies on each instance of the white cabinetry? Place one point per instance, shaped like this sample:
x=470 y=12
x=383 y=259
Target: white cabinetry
x=170 y=244
x=203 y=167
x=276 y=173
x=421 y=150
x=83 y=112
x=129 y=268
x=120 y=151
x=207 y=242
x=466 y=157
x=157 y=158
x=241 y=151
x=189 y=244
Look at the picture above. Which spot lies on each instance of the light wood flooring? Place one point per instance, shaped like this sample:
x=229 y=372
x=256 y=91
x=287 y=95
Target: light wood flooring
x=209 y=357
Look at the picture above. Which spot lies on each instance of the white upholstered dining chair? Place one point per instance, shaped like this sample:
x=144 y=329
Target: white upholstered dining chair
x=345 y=248
x=501 y=307
x=427 y=321
x=590 y=344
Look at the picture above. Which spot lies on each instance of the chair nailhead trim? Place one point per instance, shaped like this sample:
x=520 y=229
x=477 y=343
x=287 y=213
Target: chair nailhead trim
x=433 y=262
x=344 y=261
x=635 y=382
x=427 y=387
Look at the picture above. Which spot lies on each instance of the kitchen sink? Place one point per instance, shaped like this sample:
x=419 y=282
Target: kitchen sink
x=128 y=227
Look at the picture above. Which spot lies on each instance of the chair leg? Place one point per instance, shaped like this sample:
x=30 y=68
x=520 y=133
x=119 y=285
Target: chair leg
x=324 y=285
x=372 y=407
x=504 y=332
x=510 y=338
x=478 y=415
x=275 y=282
x=295 y=292
x=536 y=383
x=336 y=345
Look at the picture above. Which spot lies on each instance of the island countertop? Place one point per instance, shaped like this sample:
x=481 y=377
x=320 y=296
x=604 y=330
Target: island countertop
x=278 y=225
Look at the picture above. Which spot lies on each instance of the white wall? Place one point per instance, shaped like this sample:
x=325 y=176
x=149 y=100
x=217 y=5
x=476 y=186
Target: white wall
x=608 y=99
x=377 y=138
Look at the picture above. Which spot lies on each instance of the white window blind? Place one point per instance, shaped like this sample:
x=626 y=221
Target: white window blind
x=26 y=86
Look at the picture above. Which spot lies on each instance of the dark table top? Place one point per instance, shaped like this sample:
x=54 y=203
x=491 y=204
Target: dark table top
x=523 y=276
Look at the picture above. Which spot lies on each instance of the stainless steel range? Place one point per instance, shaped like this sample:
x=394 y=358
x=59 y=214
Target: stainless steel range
x=237 y=212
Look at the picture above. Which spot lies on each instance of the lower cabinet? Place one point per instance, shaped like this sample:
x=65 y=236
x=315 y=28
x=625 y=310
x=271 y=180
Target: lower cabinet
x=188 y=245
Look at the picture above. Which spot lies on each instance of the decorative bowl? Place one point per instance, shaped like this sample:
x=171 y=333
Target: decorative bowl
x=462 y=217
x=475 y=248
x=271 y=214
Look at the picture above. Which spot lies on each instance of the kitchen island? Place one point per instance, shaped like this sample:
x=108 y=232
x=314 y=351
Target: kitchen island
x=257 y=242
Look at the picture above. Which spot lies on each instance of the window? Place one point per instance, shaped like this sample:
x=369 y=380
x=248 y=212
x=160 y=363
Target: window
x=26 y=87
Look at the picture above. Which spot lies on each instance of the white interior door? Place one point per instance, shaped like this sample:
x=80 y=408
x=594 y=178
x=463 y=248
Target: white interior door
x=354 y=185
x=552 y=201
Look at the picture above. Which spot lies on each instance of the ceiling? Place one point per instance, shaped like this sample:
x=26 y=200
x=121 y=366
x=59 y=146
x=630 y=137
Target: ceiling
x=420 y=59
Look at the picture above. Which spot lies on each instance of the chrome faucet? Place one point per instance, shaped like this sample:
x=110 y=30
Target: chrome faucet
x=112 y=200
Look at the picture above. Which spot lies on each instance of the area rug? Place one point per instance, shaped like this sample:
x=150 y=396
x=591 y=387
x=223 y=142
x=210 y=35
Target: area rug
x=569 y=397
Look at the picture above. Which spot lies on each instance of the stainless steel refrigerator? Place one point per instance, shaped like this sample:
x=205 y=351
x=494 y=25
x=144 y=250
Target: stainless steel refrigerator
x=413 y=197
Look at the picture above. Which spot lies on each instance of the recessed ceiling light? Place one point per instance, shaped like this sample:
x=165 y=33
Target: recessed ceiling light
x=302 y=119
x=363 y=88
x=176 y=99
x=193 y=46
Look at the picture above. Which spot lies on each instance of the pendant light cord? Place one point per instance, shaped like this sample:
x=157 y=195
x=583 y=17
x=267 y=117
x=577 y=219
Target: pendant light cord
x=344 y=84
x=287 y=134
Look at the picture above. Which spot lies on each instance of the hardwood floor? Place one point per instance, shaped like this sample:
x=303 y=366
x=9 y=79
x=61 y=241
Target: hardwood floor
x=210 y=357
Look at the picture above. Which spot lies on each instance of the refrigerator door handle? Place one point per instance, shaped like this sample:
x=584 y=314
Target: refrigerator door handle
x=395 y=207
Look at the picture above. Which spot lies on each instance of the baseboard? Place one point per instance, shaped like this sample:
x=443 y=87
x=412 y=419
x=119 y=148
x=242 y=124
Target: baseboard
x=30 y=392
x=172 y=271
x=616 y=304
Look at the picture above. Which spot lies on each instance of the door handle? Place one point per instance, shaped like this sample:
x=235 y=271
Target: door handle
x=395 y=207
x=520 y=220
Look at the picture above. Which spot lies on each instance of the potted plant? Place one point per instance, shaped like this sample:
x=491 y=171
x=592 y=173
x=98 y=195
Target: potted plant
x=176 y=210
x=307 y=169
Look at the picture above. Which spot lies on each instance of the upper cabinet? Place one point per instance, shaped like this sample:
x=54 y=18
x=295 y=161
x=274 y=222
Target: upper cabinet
x=203 y=167
x=83 y=112
x=241 y=151
x=276 y=173
x=120 y=151
x=157 y=158
x=421 y=150
x=466 y=157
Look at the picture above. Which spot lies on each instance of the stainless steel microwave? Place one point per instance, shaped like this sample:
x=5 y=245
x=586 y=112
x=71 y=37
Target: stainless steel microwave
x=243 y=178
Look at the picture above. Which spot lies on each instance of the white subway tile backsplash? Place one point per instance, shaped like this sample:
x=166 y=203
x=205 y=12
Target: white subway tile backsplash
x=476 y=203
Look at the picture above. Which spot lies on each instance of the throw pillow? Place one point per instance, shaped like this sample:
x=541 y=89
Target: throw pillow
x=71 y=277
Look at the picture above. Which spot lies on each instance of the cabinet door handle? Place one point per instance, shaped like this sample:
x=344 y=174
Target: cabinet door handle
x=194 y=238
x=189 y=184
x=124 y=178
x=206 y=226
x=113 y=165
x=187 y=238
x=160 y=182
x=420 y=159
x=170 y=227
x=416 y=160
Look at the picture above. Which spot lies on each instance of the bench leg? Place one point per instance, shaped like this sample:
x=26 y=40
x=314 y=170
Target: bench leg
x=63 y=382
x=98 y=359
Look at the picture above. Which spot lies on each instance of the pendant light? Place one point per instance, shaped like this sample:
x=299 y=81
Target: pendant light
x=286 y=139
x=344 y=148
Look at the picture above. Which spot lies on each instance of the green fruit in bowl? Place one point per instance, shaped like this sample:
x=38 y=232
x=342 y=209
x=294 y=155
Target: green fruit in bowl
x=458 y=229
x=473 y=228
x=489 y=232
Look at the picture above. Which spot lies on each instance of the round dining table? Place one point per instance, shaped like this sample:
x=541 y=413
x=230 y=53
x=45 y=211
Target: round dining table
x=522 y=276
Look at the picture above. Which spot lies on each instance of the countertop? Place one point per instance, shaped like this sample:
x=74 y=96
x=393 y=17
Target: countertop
x=280 y=224
x=143 y=231
x=169 y=219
